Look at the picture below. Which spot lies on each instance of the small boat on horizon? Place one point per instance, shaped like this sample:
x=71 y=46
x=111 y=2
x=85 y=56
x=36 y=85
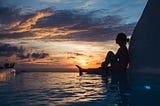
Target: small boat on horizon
x=7 y=65
x=6 y=73
x=7 y=69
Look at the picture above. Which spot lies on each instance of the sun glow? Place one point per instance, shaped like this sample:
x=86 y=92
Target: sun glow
x=83 y=62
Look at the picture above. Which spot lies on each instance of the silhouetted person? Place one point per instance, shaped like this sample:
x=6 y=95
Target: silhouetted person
x=122 y=56
x=119 y=63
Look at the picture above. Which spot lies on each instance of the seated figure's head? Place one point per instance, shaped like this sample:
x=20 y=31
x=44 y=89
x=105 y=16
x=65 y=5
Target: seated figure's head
x=122 y=39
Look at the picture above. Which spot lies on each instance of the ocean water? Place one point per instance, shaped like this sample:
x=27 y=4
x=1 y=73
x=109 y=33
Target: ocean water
x=145 y=87
x=57 y=89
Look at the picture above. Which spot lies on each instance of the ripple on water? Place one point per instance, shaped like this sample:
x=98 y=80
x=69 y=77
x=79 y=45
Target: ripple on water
x=52 y=89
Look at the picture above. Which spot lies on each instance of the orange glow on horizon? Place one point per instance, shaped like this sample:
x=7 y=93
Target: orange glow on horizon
x=65 y=54
x=84 y=63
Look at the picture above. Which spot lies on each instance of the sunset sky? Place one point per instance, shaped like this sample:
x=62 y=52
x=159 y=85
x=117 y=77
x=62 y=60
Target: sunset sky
x=63 y=33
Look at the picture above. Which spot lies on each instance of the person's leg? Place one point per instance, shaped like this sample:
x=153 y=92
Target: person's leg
x=104 y=65
x=109 y=56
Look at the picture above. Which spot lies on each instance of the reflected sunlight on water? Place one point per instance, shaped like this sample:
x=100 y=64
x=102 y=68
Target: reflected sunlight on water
x=6 y=76
x=55 y=89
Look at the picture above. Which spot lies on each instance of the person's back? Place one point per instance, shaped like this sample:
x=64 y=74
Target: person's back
x=123 y=57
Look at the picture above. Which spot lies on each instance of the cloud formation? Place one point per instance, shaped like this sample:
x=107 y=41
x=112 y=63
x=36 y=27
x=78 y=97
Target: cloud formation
x=39 y=55
x=98 y=34
x=60 y=24
x=28 y=23
x=12 y=22
x=7 y=50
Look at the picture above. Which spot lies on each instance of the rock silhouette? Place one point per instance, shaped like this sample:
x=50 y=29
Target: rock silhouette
x=145 y=41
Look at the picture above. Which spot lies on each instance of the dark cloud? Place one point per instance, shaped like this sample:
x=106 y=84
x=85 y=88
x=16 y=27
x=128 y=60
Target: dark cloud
x=74 y=55
x=16 y=35
x=97 y=29
x=71 y=57
x=78 y=19
x=8 y=50
x=23 y=56
x=12 y=14
x=59 y=19
x=99 y=34
x=9 y=15
x=14 y=24
x=33 y=55
x=74 y=24
x=79 y=54
x=39 y=55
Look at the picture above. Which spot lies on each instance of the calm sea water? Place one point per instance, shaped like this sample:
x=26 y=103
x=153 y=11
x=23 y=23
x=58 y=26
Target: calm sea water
x=56 y=89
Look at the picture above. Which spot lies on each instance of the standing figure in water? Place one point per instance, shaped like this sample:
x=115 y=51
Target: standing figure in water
x=119 y=63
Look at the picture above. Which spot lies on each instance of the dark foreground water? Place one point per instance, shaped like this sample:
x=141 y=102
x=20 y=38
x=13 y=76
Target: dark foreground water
x=56 y=89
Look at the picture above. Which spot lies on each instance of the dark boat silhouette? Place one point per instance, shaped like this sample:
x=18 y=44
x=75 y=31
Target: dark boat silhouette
x=7 y=69
x=9 y=65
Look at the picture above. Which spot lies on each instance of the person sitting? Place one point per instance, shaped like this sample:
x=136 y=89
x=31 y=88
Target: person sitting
x=119 y=63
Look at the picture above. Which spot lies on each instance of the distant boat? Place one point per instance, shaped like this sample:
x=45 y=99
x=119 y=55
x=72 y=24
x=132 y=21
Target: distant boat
x=7 y=71
x=9 y=65
x=98 y=71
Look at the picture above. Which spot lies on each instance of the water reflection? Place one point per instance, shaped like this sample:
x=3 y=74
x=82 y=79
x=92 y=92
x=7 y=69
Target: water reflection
x=6 y=76
x=57 y=89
